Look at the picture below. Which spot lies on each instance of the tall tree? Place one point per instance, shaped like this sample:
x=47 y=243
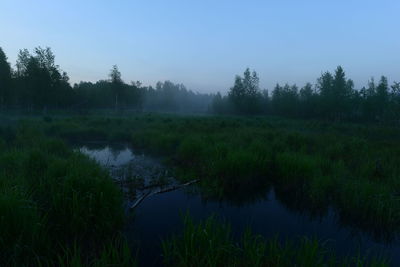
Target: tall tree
x=40 y=81
x=117 y=85
x=369 y=106
x=237 y=93
x=338 y=102
x=307 y=100
x=325 y=87
x=285 y=100
x=5 y=80
x=245 y=94
x=382 y=96
x=335 y=93
x=22 y=61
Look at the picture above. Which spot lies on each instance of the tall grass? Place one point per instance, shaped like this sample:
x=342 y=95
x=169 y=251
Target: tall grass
x=313 y=165
x=210 y=243
x=319 y=162
x=56 y=204
x=323 y=163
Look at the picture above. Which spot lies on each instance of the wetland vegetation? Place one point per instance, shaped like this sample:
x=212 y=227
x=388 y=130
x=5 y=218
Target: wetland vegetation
x=60 y=206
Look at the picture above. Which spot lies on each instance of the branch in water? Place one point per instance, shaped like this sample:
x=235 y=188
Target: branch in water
x=168 y=189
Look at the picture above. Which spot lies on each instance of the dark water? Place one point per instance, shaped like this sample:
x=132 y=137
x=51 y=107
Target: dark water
x=159 y=216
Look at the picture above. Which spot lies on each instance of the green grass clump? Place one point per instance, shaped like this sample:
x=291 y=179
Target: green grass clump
x=22 y=234
x=114 y=253
x=54 y=201
x=295 y=168
x=211 y=243
x=208 y=243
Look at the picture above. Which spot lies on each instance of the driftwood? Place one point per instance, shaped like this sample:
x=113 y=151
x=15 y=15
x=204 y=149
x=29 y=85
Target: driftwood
x=161 y=190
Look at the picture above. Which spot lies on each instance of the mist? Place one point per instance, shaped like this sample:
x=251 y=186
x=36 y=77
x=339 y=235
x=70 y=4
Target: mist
x=38 y=84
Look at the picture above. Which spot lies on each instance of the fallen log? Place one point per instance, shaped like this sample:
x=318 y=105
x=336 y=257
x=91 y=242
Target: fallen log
x=161 y=190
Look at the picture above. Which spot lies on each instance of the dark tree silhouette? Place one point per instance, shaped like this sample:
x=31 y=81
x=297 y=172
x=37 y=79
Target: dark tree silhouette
x=382 y=97
x=245 y=94
x=117 y=85
x=334 y=98
x=5 y=80
x=38 y=84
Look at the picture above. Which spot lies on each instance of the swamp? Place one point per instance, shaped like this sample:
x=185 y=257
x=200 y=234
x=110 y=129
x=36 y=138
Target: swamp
x=199 y=133
x=264 y=190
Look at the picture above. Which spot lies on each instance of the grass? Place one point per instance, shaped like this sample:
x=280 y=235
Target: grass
x=114 y=253
x=210 y=243
x=323 y=164
x=57 y=207
x=312 y=165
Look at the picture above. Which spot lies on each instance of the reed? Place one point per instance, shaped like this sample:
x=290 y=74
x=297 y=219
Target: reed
x=211 y=243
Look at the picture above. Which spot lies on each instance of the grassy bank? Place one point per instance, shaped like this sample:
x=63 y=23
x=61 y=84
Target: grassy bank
x=57 y=207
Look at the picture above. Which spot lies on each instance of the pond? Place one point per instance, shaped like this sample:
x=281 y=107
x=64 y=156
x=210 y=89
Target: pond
x=160 y=215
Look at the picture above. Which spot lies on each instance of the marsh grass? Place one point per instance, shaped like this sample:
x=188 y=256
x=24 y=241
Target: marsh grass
x=56 y=204
x=313 y=165
x=114 y=253
x=323 y=163
x=211 y=243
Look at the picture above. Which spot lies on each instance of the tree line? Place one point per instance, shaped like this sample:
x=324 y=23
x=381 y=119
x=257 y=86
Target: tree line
x=333 y=97
x=38 y=84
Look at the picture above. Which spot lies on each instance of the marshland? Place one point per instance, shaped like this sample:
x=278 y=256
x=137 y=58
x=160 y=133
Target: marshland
x=178 y=133
x=271 y=191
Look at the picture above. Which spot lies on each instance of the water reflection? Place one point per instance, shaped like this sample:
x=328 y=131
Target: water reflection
x=110 y=155
x=238 y=193
x=268 y=210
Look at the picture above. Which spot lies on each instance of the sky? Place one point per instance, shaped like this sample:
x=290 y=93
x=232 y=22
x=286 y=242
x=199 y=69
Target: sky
x=204 y=44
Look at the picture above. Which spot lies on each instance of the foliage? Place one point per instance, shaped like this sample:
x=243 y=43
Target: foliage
x=39 y=85
x=245 y=95
x=333 y=98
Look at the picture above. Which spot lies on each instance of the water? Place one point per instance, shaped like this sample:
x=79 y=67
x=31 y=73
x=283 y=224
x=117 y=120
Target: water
x=159 y=216
x=109 y=156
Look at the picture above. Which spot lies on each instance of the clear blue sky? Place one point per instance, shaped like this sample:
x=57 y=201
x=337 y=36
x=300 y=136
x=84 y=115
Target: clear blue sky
x=203 y=44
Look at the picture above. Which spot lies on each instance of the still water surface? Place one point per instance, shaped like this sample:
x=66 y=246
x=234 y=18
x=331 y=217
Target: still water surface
x=159 y=216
